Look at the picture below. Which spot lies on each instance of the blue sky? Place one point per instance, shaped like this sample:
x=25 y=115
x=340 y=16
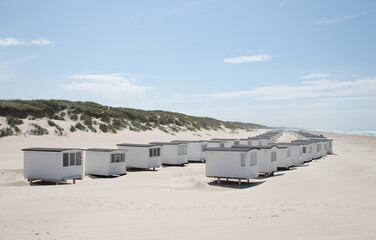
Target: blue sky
x=308 y=64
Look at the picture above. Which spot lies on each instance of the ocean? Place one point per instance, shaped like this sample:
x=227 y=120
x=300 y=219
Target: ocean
x=366 y=132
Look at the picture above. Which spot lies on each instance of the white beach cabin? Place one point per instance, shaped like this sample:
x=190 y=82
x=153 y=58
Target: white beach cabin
x=143 y=156
x=267 y=159
x=232 y=163
x=173 y=153
x=105 y=162
x=296 y=152
x=259 y=141
x=216 y=143
x=53 y=164
x=195 y=150
x=283 y=156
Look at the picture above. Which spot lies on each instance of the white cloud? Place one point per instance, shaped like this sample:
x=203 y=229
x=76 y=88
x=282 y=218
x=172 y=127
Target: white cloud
x=247 y=59
x=106 y=84
x=41 y=41
x=306 y=90
x=315 y=76
x=340 y=19
x=5 y=42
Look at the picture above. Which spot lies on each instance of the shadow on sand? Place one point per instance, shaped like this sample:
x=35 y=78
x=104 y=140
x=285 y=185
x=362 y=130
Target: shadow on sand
x=95 y=176
x=232 y=183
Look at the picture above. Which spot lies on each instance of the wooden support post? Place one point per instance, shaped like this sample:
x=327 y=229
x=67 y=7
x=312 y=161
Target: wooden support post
x=219 y=181
x=248 y=180
x=153 y=168
x=227 y=179
x=31 y=181
x=74 y=181
x=240 y=182
x=57 y=182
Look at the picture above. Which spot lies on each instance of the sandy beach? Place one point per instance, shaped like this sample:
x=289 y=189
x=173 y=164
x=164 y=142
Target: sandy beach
x=330 y=198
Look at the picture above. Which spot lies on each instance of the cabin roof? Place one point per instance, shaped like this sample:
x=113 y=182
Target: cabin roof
x=168 y=143
x=257 y=138
x=227 y=149
x=190 y=141
x=44 y=149
x=254 y=147
x=137 y=145
x=226 y=139
x=102 y=150
x=290 y=143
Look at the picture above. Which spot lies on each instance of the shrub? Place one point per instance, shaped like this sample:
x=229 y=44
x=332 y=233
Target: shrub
x=13 y=121
x=92 y=128
x=80 y=127
x=51 y=123
x=38 y=130
x=87 y=119
x=106 y=118
x=57 y=117
x=6 y=132
x=103 y=127
x=72 y=128
x=73 y=116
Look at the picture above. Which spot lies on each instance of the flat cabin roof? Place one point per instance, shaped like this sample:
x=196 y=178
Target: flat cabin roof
x=137 y=145
x=225 y=139
x=254 y=147
x=290 y=143
x=168 y=143
x=257 y=138
x=190 y=141
x=42 y=149
x=215 y=141
x=227 y=149
x=103 y=150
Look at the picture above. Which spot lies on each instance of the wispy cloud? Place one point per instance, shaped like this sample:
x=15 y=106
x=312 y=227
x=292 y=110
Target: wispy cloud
x=41 y=41
x=7 y=42
x=106 y=84
x=248 y=59
x=315 y=76
x=306 y=90
x=340 y=19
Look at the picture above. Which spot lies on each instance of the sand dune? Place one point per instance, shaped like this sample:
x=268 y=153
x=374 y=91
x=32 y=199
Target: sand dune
x=330 y=198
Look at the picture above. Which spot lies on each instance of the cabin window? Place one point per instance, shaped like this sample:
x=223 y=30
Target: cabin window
x=288 y=153
x=242 y=160
x=236 y=142
x=253 y=159
x=204 y=147
x=154 y=152
x=222 y=145
x=118 y=157
x=249 y=143
x=123 y=157
x=158 y=152
x=78 y=159
x=65 y=160
x=304 y=149
x=330 y=144
x=72 y=159
x=182 y=150
x=274 y=156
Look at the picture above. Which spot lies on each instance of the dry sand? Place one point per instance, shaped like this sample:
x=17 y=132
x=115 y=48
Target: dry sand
x=331 y=198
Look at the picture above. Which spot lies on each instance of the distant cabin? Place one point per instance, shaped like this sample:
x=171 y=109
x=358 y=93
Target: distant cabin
x=105 y=162
x=173 y=153
x=296 y=152
x=195 y=150
x=330 y=146
x=228 y=142
x=258 y=141
x=232 y=163
x=53 y=164
x=144 y=156
x=283 y=156
x=216 y=143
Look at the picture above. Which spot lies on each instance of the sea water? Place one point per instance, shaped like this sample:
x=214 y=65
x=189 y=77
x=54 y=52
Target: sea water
x=367 y=132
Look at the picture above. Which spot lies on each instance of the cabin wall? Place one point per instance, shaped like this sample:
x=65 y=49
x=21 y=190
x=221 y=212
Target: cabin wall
x=228 y=164
x=137 y=157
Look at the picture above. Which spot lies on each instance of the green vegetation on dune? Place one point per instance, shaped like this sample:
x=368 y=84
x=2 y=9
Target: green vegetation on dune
x=112 y=119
